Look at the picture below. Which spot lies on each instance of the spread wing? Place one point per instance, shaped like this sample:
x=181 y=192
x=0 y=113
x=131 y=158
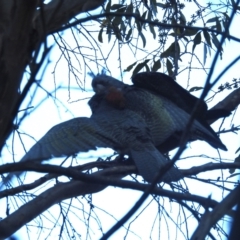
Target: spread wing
x=65 y=139
x=122 y=130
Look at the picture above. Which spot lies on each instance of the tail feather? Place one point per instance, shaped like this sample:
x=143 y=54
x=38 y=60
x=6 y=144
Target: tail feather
x=199 y=130
x=149 y=164
x=208 y=135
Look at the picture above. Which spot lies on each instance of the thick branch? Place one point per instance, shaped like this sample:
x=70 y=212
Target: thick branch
x=53 y=195
x=58 y=13
x=209 y=167
x=230 y=102
x=209 y=219
x=14 y=51
x=22 y=30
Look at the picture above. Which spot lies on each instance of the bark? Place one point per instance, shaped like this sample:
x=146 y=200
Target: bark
x=210 y=218
x=230 y=102
x=24 y=25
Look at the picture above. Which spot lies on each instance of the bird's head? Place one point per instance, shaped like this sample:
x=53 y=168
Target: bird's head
x=102 y=83
x=109 y=89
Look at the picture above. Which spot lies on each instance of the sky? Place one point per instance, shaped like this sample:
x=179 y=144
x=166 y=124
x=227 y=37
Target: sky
x=114 y=200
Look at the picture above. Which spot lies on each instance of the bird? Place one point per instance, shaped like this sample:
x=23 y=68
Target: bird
x=164 y=114
x=130 y=119
x=161 y=86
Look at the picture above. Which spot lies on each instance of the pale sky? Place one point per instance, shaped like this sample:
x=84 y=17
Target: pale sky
x=114 y=200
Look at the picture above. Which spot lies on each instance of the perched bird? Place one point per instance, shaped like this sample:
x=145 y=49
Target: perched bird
x=159 y=85
x=130 y=119
x=165 y=116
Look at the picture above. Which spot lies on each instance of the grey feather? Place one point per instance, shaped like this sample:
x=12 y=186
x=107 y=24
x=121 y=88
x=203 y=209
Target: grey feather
x=135 y=121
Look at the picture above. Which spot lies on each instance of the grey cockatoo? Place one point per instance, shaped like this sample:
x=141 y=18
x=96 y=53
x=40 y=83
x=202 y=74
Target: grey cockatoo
x=132 y=120
x=164 y=116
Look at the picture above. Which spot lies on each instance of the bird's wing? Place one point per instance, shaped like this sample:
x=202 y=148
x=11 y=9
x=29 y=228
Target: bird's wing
x=76 y=135
x=122 y=130
x=65 y=139
x=164 y=85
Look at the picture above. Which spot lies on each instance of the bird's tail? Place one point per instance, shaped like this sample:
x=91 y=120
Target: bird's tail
x=199 y=129
x=149 y=164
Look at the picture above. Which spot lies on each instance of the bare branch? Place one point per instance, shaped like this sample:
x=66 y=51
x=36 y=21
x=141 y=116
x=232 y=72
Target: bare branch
x=209 y=219
x=95 y=182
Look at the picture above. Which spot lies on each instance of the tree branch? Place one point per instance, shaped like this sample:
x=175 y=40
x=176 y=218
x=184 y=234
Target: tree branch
x=58 y=13
x=209 y=219
x=92 y=183
x=208 y=167
x=230 y=102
